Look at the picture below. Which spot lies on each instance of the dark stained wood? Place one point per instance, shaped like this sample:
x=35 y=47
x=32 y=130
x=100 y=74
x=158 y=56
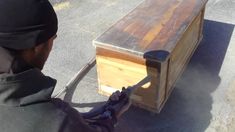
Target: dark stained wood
x=154 y=25
x=157 y=39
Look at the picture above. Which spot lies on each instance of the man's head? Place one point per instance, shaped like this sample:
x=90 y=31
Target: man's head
x=29 y=28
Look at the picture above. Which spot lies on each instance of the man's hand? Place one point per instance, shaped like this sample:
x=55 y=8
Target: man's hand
x=123 y=104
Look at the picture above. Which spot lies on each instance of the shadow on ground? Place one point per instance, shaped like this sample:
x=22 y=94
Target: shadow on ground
x=188 y=108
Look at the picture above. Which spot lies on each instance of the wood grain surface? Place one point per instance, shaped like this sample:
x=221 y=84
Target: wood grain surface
x=153 y=25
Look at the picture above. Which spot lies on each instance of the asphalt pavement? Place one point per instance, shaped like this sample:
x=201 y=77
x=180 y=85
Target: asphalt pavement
x=204 y=97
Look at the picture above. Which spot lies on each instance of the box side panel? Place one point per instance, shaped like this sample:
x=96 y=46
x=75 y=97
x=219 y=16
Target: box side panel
x=184 y=50
x=116 y=70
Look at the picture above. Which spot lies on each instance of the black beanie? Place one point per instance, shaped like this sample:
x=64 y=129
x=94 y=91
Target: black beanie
x=26 y=23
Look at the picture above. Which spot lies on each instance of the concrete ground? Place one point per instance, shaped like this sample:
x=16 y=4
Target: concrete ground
x=204 y=97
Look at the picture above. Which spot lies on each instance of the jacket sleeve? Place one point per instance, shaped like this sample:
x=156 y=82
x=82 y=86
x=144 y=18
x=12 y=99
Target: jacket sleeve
x=74 y=122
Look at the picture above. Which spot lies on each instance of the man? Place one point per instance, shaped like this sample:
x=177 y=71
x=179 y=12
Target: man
x=27 y=31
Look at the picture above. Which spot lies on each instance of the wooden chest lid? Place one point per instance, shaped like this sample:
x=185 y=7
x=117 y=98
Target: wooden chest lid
x=155 y=25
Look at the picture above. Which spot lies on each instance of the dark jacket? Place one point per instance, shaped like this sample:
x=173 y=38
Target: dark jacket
x=26 y=106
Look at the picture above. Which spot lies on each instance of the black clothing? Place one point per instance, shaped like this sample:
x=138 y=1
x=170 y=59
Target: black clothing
x=26 y=106
x=26 y=23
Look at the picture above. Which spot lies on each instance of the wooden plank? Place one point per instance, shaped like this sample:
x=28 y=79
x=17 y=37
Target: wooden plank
x=162 y=22
x=183 y=51
x=162 y=88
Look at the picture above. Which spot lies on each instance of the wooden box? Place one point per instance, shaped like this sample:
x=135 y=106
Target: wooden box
x=156 y=40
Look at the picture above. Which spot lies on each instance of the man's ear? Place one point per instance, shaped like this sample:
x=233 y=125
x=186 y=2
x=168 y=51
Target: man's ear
x=29 y=54
x=36 y=49
x=39 y=48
